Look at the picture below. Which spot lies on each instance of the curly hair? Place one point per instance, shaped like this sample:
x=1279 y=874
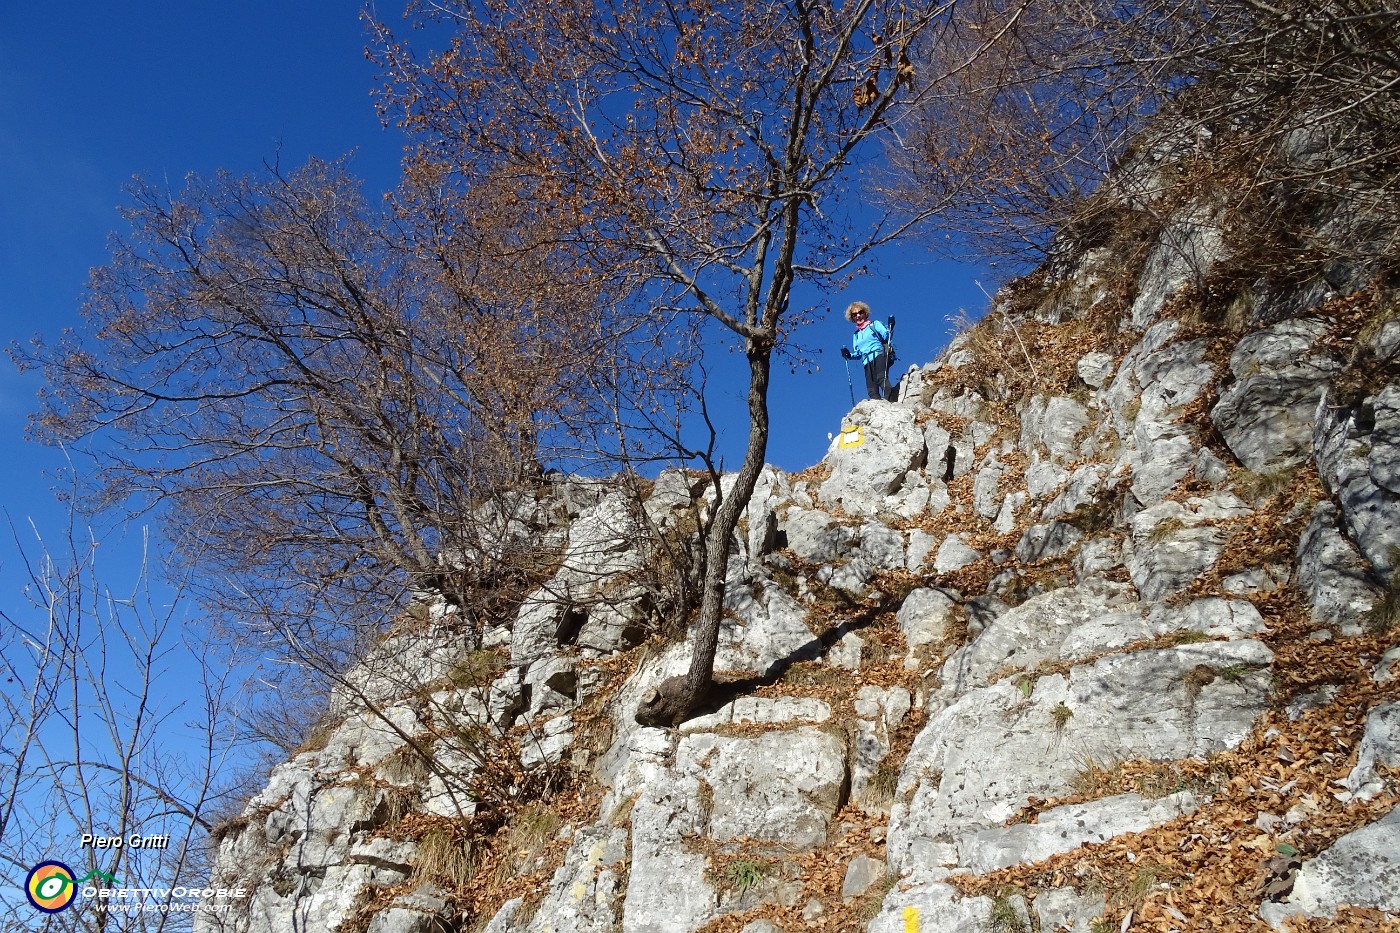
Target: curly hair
x=855 y=306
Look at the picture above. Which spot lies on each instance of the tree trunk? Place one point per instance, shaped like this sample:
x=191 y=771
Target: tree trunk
x=674 y=700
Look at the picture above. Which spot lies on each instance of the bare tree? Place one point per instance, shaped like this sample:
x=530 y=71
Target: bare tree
x=326 y=414
x=116 y=725
x=1051 y=98
x=717 y=148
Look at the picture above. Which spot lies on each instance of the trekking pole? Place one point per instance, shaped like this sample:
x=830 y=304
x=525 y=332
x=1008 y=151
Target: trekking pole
x=889 y=347
x=849 y=384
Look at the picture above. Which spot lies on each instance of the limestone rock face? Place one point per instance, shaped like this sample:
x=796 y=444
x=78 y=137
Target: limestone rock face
x=781 y=786
x=1192 y=243
x=1053 y=625
x=1331 y=571
x=864 y=478
x=591 y=600
x=1362 y=869
x=1380 y=746
x=1346 y=448
x=1065 y=828
x=667 y=889
x=1140 y=704
x=1026 y=614
x=1266 y=417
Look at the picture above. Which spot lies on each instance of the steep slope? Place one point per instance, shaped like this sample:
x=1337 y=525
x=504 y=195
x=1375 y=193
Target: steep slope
x=1095 y=629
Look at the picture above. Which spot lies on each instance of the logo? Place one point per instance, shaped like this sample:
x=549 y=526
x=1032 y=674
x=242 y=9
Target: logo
x=50 y=886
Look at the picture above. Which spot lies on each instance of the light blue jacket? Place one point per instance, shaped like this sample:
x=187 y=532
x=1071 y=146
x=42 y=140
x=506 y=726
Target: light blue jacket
x=869 y=342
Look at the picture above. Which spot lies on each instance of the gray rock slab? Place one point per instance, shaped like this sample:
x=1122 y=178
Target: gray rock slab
x=764 y=625
x=1171 y=377
x=849 y=577
x=880 y=712
x=402 y=920
x=881 y=546
x=1361 y=869
x=1388 y=668
x=1006 y=520
x=583 y=890
x=767 y=710
x=337 y=897
x=446 y=791
x=1084 y=487
x=964 y=403
x=815 y=535
x=1380 y=745
x=1062 y=910
x=1213 y=616
x=1386 y=342
x=980 y=758
x=1266 y=416
x=367 y=737
x=506 y=698
x=1038 y=629
x=1047 y=541
x=1096 y=557
x=920 y=546
x=504 y=920
x=987 y=491
x=395 y=855
x=781 y=786
x=321 y=819
x=1190 y=245
x=1044 y=478
x=931 y=905
x=862 y=874
x=761 y=926
x=1055 y=423
x=603 y=545
x=1384 y=457
x=1172 y=546
x=619 y=617
x=538 y=623
x=1162 y=463
x=398 y=666
x=1370 y=513
x=1123 y=394
x=667 y=890
x=923 y=618
x=672 y=490
x=1331 y=572
x=1094 y=368
x=553 y=683
x=847 y=652
x=547 y=742
x=602 y=539
x=862 y=476
x=954 y=554
x=1210 y=468
x=1063 y=829
x=915 y=497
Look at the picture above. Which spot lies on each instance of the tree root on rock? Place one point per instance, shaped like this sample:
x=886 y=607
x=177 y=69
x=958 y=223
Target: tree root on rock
x=668 y=704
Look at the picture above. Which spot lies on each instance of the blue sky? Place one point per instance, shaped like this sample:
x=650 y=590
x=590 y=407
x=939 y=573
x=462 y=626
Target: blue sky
x=94 y=93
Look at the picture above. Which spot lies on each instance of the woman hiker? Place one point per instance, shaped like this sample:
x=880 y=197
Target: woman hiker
x=870 y=345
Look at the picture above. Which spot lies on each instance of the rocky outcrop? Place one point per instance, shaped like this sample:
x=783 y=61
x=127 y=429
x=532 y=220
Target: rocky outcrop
x=1117 y=633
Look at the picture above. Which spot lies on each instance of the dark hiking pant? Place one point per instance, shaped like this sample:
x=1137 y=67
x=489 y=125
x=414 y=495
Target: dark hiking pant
x=877 y=378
